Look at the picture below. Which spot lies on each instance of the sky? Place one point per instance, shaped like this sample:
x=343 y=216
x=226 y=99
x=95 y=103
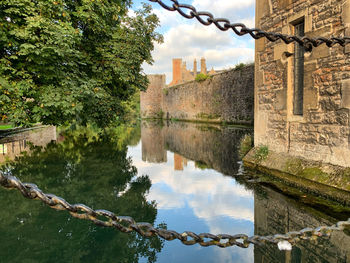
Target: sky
x=189 y=40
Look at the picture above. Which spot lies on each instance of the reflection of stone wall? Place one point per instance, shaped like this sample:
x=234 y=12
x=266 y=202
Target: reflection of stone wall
x=215 y=146
x=274 y=213
x=153 y=149
x=12 y=146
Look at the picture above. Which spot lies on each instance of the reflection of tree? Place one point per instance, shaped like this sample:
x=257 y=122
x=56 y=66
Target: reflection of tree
x=86 y=167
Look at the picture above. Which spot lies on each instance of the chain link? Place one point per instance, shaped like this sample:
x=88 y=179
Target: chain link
x=127 y=224
x=206 y=18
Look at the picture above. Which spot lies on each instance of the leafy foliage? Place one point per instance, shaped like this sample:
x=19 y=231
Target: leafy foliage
x=202 y=77
x=89 y=166
x=65 y=60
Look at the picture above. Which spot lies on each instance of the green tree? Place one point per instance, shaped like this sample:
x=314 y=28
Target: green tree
x=89 y=166
x=65 y=60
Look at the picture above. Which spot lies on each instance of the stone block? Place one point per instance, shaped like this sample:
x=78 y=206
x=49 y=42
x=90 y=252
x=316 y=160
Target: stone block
x=346 y=13
x=260 y=44
x=345 y=94
x=310 y=98
x=281 y=100
x=278 y=51
x=320 y=52
x=347 y=47
x=262 y=9
x=284 y=3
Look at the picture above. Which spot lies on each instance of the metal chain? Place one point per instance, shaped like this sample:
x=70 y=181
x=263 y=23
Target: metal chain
x=127 y=224
x=206 y=18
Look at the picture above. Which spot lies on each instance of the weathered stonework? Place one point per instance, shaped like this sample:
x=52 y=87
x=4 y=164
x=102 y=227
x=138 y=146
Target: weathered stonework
x=224 y=97
x=322 y=132
x=151 y=100
x=330 y=181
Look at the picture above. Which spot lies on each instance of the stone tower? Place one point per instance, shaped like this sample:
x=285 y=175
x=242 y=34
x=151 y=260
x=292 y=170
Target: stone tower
x=203 y=66
x=177 y=71
x=195 y=68
x=151 y=100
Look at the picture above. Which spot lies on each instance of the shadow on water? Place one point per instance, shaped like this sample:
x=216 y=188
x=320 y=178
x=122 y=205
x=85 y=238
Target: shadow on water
x=94 y=168
x=87 y=167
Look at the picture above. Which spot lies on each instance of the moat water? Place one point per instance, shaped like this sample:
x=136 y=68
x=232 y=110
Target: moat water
x=181 y=176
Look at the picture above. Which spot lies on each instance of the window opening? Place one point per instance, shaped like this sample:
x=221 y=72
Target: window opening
x=299 y=71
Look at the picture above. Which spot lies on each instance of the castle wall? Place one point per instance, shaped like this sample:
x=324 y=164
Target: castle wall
x=151 y=100
x=225 y=97
x=322 y=131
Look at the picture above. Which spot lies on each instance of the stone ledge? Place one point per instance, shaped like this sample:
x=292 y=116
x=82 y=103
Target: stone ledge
x=326 y=180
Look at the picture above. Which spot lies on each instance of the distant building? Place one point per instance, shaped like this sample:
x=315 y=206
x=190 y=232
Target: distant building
x=181 y=74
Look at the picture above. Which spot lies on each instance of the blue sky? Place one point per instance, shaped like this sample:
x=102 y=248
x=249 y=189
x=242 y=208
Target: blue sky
x=188 y=39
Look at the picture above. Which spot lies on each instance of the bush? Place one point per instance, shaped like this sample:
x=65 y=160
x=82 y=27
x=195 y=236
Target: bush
x=240 y=66
x=202 y=77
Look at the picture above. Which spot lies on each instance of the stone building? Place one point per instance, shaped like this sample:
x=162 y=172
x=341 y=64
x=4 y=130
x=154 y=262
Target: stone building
x=181 y=74
x=302 y=99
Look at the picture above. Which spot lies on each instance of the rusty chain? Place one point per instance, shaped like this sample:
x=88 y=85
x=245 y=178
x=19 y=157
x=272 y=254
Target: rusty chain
x=127 y=224
x=206 y=18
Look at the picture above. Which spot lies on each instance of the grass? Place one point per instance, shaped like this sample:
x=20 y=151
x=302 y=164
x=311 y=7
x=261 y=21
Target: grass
x=261 y=153
x=6 y=127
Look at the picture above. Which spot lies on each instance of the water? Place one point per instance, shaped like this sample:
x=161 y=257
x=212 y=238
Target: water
x=181 y=176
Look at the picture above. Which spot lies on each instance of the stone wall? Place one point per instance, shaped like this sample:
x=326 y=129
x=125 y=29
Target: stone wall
x=151 y=100
x=322 y=132
x=225 y=97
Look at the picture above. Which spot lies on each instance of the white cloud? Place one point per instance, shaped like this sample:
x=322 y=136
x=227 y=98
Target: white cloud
x=188 y=39
x=223 y=8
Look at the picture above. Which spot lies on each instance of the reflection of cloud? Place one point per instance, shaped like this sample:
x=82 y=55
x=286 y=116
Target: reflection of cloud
x=207 y=192
x=240 y=255
x=165 y=199
x=218 y=206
